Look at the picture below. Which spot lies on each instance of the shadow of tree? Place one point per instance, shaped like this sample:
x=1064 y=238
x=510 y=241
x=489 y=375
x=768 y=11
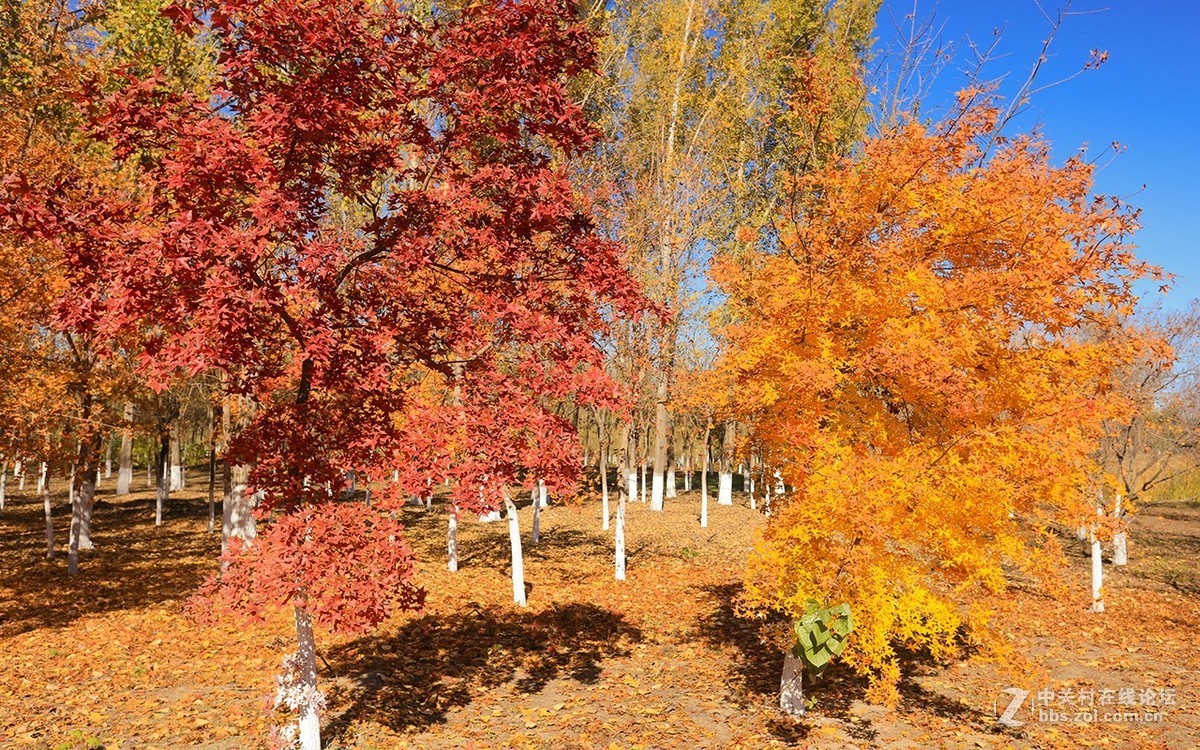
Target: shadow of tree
x=757 y=669
x=411 y=678
x=149 y=565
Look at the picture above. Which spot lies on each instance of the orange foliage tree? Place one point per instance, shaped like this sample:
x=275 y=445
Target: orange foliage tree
x=927 y=344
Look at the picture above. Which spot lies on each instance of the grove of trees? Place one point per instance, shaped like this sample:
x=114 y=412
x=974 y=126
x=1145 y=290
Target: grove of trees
x=344 y=255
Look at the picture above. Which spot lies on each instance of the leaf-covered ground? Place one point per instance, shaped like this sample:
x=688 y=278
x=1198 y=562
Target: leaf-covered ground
x=659 y=661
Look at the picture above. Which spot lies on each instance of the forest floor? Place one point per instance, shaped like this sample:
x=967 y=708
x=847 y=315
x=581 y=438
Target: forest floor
x=662 y=660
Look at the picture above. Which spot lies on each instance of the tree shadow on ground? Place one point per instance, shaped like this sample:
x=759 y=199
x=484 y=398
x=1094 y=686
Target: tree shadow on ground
x=412 y=678
x=486 y=545
x=755 y=677
x=134 y=564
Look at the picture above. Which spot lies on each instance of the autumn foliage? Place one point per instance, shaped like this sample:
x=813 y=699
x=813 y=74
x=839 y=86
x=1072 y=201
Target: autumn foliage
x=928 y=347
x=370 y=201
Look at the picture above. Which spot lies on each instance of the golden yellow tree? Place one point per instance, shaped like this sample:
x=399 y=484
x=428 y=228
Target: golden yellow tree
x=928 y=345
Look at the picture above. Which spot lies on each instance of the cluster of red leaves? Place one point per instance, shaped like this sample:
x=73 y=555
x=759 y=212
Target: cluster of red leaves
x=348 y=567
x=368 y=229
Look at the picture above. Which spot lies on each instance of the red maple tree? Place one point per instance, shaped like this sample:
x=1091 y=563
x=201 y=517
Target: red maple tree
x=373 y=200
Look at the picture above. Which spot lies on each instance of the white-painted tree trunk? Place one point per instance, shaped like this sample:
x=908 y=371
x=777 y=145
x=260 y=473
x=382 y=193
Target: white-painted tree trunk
x=176 y=461
x=604 y=510
x=645 y=484
x=1120 y=540
x=3 y=482
x=543 y=498
x=631 y=481
x=308 y=706
x=753 y=500
x=237 y=510
x=704 y=485
x=725 y=488
x=780 y=486
x=1097 y=569
x=19 y=472
x=619 y=540
x=125 y=459
x=791 y=686
x=687 y=477
x=672 y=486
x=657 y=489
x=491 y=517
x=41 y=483
x=49 y=525
x=536 y=534
x=452 y=540
x=80 y=536
x=518 y=561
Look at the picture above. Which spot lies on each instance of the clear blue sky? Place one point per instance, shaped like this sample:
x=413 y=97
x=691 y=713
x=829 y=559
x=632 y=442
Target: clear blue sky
x=1146 y=96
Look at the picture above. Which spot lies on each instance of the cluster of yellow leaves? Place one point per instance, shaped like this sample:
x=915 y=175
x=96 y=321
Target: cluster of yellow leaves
x=927 y=348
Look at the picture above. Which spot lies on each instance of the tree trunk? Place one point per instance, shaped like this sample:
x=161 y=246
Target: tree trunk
x=1097 y=569
x=162 y=492
x=19 y=473
x=176 y=459
x=603 y=488
x=4 y=483
x=662 y=435
x=237 y=509
x=125 y=460
x=518 y=561
x=308 y=706
x=644 y=480
x=82 y=500
x=1120 y=540
x=49 y=525
x=108 y=458
x=725 y=478
x=623 y=494
x=41 y=483
x=452 y=540
x=704 y=480
x=536 y=534
x=791 y=686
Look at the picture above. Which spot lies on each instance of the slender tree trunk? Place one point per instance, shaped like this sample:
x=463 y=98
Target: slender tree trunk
x=725 y=478
x=536 y=535
x=791 y=686
x=176 y=459
x=19 y=473
x=41 y=482
x=4 y=483
x=644 y=480
x=163 y=479
x=49 y=524
x=623 y=494
x=237 y=509
x=1120 y=540
x=306 y=678
x=125 y=460
x=603 y=488
x=518 y=561
x=452 y=540
x=704 y=480
x=1097 y=567
x=83 y=497
x=662 y=438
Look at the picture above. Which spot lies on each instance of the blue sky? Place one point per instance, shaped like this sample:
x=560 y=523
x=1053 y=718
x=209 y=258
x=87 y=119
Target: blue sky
x=1146 y=96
